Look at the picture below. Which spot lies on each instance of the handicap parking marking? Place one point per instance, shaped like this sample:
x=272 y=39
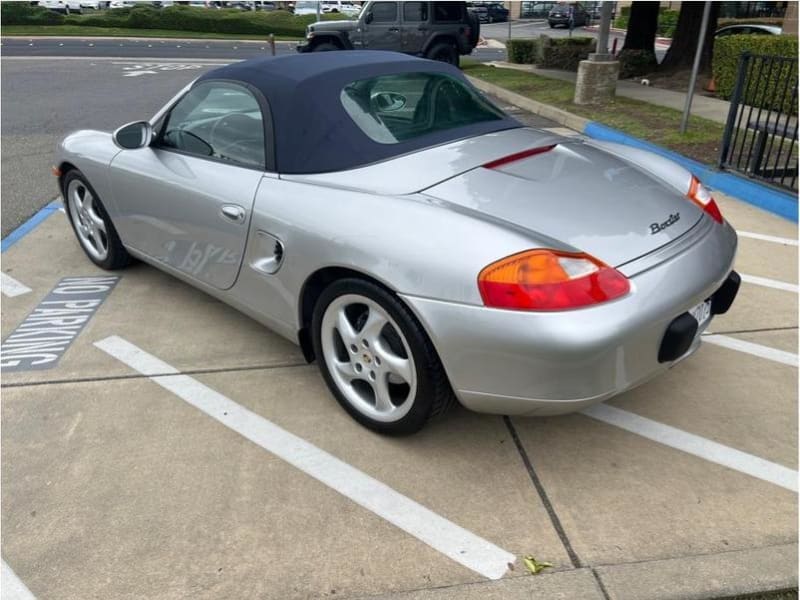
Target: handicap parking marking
x=773 y=354
x=11 y=586
x=695 y=445
x=137 y=69
x=768 y=238
x=770 y=283
x=448 y=538
x=11 y=287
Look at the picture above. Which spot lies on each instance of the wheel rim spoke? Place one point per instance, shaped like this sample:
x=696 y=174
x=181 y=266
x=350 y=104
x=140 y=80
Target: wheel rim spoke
x=373 y=326
x=345 y=328
x=396 y=365
x=346 y=370
x=383 y=398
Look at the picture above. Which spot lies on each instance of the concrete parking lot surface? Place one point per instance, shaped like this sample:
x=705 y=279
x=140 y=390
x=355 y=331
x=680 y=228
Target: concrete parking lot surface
x=162 y=470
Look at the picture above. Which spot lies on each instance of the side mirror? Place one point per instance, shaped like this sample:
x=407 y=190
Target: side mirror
x=134 y=135
x=368 y=18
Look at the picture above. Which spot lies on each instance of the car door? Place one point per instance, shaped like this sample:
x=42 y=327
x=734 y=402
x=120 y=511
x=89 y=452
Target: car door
x=415 y=27
x=186 y=199
x=381 y=30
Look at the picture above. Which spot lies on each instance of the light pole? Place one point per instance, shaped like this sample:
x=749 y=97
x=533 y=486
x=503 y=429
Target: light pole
x=695 y=67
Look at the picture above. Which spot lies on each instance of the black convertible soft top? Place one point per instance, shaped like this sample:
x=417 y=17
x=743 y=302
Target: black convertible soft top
x=312 y=131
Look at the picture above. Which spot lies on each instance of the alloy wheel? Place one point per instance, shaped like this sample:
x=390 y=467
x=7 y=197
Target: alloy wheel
x=368 y=357
x=89 y=225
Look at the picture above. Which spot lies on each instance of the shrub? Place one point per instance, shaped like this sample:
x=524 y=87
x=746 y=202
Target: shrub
x=725 y=65
x=22 y=13
x=523 y=51
x=633 y=63
x=667 y=21
x=186 y=18
x=565 y=53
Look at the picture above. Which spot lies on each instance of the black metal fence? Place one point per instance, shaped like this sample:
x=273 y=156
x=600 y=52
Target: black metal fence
x=760 y=138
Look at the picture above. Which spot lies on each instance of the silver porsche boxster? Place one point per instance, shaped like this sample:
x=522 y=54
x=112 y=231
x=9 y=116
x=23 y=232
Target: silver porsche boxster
x=420 y=244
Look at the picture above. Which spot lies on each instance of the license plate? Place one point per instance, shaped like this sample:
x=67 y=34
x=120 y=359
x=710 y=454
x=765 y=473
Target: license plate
x=701 y=313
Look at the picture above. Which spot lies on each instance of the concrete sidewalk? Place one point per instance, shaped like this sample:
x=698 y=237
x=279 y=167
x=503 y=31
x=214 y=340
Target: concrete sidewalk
x=712 y=109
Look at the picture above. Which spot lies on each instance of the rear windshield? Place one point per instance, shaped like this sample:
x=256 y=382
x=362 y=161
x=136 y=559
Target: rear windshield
x=395 y=108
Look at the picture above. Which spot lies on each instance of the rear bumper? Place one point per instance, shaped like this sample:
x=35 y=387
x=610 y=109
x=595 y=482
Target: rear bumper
x=515 y=362
x=304 y=47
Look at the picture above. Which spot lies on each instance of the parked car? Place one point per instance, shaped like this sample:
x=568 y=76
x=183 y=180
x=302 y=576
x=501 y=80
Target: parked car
x=497 y=12
x=562 y=12
x=749 y=29
x=306 y=7
x=417 y=242
x=338 y=6
x=479 y=11
x=68 y=6
x=437 y=30
x=489 y=12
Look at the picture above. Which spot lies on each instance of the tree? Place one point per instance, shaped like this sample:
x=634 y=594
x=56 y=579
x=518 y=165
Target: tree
x=684 y=41
x=638 y=55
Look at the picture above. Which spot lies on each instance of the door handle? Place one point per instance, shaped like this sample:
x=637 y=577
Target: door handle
x=394 y=29
x=232 y=212
x=422 y=28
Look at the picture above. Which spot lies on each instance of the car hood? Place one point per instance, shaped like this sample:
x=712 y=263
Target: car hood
x=343 y=25
x=582 y=196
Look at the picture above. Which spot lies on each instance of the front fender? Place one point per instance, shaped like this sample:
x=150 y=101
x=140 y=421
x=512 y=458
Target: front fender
x=91 y=152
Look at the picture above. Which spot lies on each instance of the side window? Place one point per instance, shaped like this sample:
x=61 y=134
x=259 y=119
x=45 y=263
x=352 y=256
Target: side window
x=218 y=120
x=415 y=11
x=384 y=12
x=447 y=12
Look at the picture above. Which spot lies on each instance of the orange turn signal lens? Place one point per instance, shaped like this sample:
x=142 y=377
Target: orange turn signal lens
x=549 y=280
x=56 y=171
x=700 y=195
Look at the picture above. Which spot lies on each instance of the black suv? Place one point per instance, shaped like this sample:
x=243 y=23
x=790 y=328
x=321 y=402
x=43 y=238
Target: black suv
x=436 y=30
x=560 y=15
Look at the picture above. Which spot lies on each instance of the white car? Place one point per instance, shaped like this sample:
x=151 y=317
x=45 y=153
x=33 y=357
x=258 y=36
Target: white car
x=337 y=6
x=306 y=7
x=68 y=6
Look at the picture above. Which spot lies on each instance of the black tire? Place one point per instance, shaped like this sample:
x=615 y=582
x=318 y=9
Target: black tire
x=118 y=257
x=433 y=397
x=474 y=29
x=324 y=47
x=444 y=52
x=552 y=25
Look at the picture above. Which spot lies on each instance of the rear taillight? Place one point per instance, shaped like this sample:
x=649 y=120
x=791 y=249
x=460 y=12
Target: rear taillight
x=549 y=280
x=700 y=195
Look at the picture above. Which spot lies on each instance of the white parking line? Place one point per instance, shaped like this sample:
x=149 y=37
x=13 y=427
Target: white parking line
x=781 y=356
x=453 y=541
x=695 y=445
x=768 y=238
x=11 y=287
x=770 y=283
x=11 y=586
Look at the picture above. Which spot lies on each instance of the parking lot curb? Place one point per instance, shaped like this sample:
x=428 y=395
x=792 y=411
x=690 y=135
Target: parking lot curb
x=29 y=225
x=747 y=190
x=722 y=575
